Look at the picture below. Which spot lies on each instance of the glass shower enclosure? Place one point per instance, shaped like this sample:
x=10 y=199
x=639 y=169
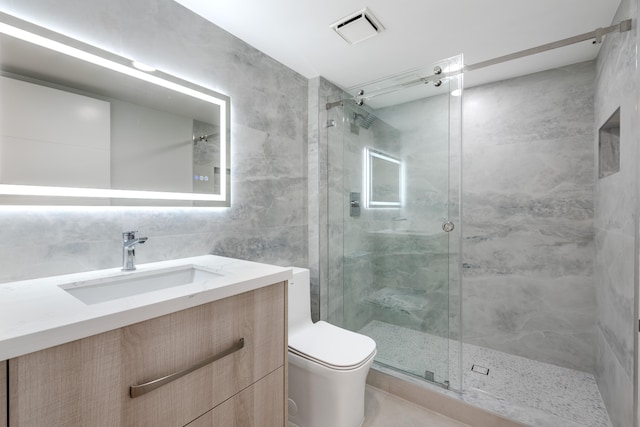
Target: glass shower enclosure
x=394 y=218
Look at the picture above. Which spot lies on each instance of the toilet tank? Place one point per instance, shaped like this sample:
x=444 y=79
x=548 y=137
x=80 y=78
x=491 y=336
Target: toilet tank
x=299 y=298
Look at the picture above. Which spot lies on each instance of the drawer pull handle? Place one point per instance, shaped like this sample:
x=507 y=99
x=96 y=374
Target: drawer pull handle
x=139 y=390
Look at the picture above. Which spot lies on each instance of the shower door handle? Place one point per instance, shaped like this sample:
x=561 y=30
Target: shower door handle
x=448 y=226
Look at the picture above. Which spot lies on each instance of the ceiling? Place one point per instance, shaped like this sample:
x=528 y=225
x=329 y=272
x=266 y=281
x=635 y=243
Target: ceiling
x=418 y=33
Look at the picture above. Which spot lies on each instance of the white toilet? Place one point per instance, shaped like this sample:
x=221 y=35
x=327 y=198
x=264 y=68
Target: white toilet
x=328 y=365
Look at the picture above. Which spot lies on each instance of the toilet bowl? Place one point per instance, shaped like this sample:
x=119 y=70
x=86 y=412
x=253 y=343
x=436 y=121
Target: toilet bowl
x=328 y=365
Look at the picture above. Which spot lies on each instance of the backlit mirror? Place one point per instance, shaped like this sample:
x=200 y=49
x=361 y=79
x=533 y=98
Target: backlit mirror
x=79 y=122
x=383 y=180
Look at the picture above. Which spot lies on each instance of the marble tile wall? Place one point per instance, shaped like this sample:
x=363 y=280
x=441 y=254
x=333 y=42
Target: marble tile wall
x=615 y=216
x=356 y=262
x=528 y=241
x=326 y=301
x=432 y=165
x=268 y=217
x=359 y=257
x=389 y=265
x=314 y=193
x=527 y=196
x=335 y=211
x=411 y=271
x=431 y=147
x=325 y=243
x=529 y=278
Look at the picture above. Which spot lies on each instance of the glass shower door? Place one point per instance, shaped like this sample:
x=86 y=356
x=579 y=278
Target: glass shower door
x=397 y=213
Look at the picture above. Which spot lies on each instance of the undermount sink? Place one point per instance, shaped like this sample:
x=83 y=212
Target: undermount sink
x=136 y=283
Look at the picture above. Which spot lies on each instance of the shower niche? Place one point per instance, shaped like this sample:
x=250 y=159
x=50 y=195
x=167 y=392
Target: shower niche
x=609 y=146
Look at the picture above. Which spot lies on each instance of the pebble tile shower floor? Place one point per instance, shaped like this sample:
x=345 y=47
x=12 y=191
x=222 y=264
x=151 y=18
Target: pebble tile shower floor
x=532 y=392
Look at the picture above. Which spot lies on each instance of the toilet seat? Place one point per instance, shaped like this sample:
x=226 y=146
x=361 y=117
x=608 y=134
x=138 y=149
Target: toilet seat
x=331 y=346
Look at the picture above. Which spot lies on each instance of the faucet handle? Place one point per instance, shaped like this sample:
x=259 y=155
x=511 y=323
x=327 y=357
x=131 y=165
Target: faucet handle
x=129 y=235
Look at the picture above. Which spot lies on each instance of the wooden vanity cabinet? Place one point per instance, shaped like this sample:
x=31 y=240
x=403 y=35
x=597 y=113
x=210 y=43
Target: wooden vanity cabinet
x=87 y=382
x=257 y=406
x=3 y=394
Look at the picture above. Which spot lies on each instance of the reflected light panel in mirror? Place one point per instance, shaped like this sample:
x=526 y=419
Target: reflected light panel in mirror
x=196 y=122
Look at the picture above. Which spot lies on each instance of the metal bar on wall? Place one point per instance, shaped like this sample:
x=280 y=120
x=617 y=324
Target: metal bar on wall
x=596 y=35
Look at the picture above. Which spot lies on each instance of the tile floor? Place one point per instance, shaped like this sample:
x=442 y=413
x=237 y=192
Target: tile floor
x=535 y=393
x=385 y=410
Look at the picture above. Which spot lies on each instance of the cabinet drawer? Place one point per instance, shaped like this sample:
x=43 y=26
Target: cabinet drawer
x=260 y=405
x=87 y=382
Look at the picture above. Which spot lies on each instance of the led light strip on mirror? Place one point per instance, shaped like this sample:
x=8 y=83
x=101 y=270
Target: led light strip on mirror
x=120 y=65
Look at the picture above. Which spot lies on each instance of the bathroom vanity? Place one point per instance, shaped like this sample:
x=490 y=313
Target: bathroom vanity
x=223 y=348
x=3 y=394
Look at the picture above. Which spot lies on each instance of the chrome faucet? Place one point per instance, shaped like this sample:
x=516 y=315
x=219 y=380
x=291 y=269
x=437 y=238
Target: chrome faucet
x=129 y=243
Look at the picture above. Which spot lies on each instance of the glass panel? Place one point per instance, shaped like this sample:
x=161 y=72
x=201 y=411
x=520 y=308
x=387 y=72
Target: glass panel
x=455 y=216
x=393 y=271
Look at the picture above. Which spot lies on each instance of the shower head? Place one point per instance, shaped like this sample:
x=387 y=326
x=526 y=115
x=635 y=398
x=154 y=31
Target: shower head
x=366 y=121
x=205 y=137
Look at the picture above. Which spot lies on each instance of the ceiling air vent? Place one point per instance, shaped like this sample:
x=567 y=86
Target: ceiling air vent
x=358 y=26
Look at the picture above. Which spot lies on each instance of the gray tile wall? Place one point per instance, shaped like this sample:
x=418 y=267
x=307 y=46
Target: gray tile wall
x=540 y=306
x=418 y=259
x=352 y=254
x=528 y=246
x=389 y=265
x=267 y=220
x=329 y=254
x=313 y=193
x=615 y=208
x=320 y=92
x=528 y=174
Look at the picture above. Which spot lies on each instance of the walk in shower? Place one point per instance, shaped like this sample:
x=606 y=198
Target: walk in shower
x=394 y=218
x=395 y=266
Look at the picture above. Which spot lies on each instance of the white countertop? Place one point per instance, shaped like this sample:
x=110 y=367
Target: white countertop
x=37 y=314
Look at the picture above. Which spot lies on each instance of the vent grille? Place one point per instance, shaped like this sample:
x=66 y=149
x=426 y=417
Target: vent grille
x=358 y=26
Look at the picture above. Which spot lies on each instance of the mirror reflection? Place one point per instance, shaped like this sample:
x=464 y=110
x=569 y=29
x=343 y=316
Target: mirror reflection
x=83 y=118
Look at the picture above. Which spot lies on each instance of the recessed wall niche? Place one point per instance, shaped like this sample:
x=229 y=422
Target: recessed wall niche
x=609 y=146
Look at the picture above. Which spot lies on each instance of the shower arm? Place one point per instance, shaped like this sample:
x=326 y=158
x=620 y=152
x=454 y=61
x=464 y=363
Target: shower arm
x=595 y=35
